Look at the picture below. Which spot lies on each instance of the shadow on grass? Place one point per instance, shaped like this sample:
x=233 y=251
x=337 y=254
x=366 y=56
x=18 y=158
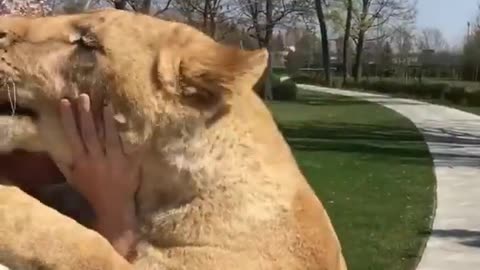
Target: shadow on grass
x=464 y=237
x=309 y=98
x=380 y=139
x=359 y=138
x=377 y=141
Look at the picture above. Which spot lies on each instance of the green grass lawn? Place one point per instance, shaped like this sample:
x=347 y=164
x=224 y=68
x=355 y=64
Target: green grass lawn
x=371 y=169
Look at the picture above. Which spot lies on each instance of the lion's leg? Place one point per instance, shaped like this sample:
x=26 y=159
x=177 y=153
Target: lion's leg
x=34 y=236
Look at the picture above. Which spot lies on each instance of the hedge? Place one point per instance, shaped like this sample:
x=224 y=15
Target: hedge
x=285 y=90
x=473 y=98
x=443 y=91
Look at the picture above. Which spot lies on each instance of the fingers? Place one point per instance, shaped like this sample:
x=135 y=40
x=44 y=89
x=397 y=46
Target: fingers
x=85 y=140
x=113 y=145
x=88 y=130
x=71 y=130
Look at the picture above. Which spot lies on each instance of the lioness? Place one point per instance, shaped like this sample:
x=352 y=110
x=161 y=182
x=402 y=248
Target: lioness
x=220 y=187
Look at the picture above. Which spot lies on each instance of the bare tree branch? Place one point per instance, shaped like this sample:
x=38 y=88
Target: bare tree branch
x=165 y=8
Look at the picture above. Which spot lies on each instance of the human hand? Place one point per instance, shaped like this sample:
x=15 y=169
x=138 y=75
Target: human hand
x=101 y=171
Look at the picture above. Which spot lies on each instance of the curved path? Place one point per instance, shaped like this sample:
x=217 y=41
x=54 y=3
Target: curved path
x=453 y=138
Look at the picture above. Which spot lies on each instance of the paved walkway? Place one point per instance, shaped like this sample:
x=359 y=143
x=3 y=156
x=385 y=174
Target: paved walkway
x=453 y=138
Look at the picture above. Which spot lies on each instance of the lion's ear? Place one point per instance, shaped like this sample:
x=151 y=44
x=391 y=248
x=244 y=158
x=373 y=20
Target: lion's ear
x=224 y=67
x=206 y=71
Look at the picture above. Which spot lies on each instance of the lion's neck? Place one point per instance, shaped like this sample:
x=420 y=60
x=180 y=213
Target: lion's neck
x=226 y=155
x=191 y=164
x=228 y=171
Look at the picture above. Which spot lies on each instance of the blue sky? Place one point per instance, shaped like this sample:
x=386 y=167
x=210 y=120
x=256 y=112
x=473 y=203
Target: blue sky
x=450 y=16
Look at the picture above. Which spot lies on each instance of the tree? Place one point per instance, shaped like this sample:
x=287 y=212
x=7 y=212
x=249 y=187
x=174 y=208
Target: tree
x=324 y=34
x=306 y=52
x=293 y=35
x=25 y=7
x=471 y=51
x=385 y=60
x=75 y=6
x=340 y=19
x=346 y=40
x=143 y=6
x=376 y=14
x=403 y=40
x=471 y=57
x=260 y=17
x=278 y=42
x=431 y=39
x=236 y=36
x=205 y=14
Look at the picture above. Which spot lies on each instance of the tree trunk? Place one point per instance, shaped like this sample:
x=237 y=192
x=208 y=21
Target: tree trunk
x=214 y=6
x=264 y=41
x=268 y=82
x=269 y=15
x=212 y=23
x=325 y=47
x=205 y=16
x=267 y=40
x=146 y=6
x=357 y=68
x=120 y=4
x=87 y=5
x=346 y=40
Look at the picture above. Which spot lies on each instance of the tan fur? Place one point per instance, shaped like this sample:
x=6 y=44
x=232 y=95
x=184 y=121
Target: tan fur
x=221 y=189
x=34 y=237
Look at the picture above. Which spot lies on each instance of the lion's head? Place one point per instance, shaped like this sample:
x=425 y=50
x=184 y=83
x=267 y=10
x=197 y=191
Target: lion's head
x=163 y=78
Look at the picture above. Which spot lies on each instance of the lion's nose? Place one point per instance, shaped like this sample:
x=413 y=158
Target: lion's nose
x=5 y=39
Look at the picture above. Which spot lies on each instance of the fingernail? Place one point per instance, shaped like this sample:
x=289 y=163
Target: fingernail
x=65 y=102
x=120 y=118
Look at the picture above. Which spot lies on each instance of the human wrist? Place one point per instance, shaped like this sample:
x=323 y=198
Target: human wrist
x=116 y=223
x=124 y=213
x=119 y=227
